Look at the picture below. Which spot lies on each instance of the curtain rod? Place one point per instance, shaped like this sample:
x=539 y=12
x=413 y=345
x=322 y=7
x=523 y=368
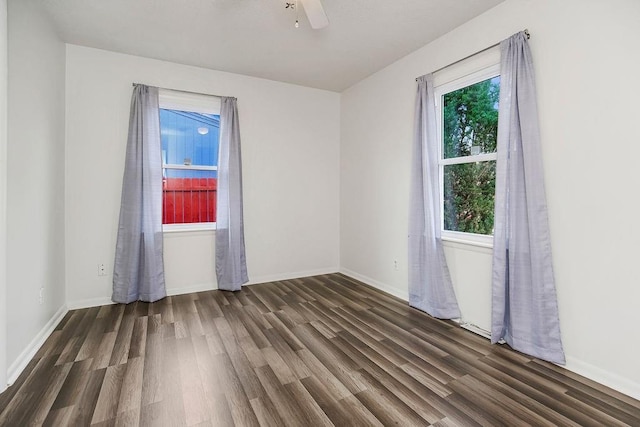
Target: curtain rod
x=526 y=32
x=186 y=91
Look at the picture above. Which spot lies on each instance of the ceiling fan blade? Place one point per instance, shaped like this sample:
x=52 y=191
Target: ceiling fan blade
x=315 y=13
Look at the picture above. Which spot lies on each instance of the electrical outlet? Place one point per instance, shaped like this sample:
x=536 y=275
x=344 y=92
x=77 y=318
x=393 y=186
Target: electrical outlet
x=395 y=264
x=41 y=297
x=102 y=270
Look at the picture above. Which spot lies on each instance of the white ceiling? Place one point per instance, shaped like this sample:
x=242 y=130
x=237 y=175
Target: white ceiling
x=258 y=38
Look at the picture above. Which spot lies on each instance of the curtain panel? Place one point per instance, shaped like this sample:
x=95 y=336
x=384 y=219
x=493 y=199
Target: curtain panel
x=524 y=303
x=231 y=263
x=138 y=267
x=430 y=286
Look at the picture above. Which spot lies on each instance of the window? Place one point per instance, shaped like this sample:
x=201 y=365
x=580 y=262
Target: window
x=189 y=128
x=467 y=129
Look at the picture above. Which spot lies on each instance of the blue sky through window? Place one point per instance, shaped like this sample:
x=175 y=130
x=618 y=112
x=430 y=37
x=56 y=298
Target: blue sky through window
x=189 y=138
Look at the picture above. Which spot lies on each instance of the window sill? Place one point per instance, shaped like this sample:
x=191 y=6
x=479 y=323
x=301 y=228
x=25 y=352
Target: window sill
x=468 y=239
x=181 y=228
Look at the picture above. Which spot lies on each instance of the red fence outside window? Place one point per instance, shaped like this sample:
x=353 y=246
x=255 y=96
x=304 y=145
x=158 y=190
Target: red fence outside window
x=188 y=200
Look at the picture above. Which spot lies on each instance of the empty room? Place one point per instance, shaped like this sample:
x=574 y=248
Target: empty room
x=319 y=212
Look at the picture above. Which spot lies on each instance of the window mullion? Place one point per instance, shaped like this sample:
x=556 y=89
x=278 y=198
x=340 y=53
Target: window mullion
x=190 y=167
x=469 y=159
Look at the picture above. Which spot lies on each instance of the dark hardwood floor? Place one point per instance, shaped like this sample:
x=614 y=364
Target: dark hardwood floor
x=307 y=352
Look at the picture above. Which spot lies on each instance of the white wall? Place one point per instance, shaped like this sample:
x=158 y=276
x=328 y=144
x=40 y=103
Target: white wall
x=35 y=180
x=3 y=194
x=290 y=148
x=587 y=64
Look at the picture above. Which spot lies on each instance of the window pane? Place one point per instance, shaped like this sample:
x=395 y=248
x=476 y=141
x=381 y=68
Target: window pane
x=469 y=191
x=470 y=119
x=189 y=138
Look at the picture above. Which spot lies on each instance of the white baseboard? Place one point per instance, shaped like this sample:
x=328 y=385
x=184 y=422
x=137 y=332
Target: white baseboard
x=599 y=375
x=27 y=354
x=203 y=287
x=402 y=294
x=288 y=276
x=88 y=303
x=200 y=287
x=97 y=302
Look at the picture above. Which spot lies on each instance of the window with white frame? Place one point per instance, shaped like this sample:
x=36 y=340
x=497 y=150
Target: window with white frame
x=467 y=128
x=189 y=128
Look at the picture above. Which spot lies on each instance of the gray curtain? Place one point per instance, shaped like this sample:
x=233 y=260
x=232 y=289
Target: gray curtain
x=231 y=264
x=524 y=307
x=430 y=287
x=138 y=272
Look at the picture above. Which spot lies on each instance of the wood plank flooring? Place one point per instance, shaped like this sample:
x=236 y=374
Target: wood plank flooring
x=317 y=351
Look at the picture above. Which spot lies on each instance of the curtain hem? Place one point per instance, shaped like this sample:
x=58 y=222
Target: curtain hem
x=439 y=313
x=143 y=297
x=553 y=356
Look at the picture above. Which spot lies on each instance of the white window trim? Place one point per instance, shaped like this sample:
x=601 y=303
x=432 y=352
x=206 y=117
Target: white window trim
x=189 y=167
x=481 y=240
x=469 y=79
x=192 y=226
x=467 y=159
x=196 y=103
